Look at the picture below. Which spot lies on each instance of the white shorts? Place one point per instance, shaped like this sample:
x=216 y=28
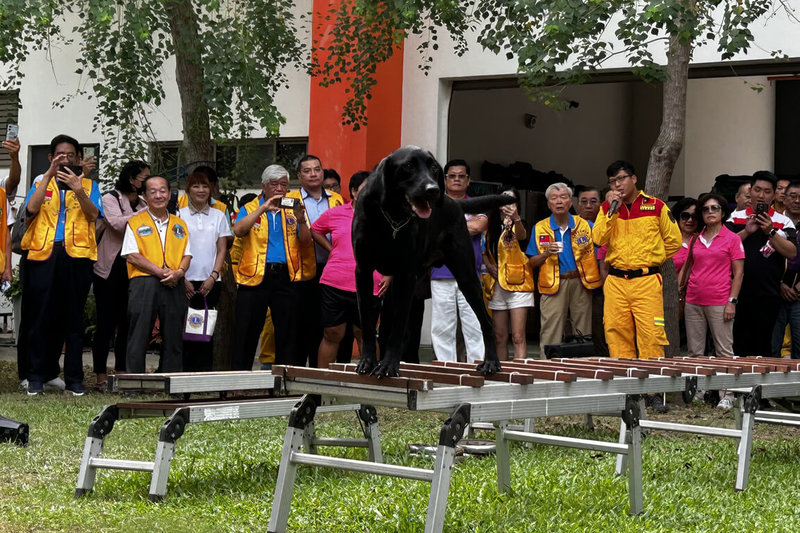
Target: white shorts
x=503 y=300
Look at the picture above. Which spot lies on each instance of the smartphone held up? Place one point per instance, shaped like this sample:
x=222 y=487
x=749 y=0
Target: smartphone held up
x=12 y=132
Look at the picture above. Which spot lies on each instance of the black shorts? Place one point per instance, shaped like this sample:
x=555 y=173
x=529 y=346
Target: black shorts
x=340 y=307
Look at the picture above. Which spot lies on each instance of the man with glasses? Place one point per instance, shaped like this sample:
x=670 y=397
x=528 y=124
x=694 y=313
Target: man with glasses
x=447 y=302
x=61 y=210
x=589 y=203
x=273 y=239
x=588 y=207
x=769 y=239
x=641 y=234
x=789 y=311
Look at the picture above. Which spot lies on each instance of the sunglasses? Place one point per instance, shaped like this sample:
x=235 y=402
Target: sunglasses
x=713 y=208
x=685 y=216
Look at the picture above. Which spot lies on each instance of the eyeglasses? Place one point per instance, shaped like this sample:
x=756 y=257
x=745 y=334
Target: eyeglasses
x=686 y=216
x=459 y=176
x=713 y=208
x=613 y=181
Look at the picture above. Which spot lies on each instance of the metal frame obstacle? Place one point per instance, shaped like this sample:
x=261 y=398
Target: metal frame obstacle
x=524 y=390
x=180 y=413
x=530 y=389
x=471 y=399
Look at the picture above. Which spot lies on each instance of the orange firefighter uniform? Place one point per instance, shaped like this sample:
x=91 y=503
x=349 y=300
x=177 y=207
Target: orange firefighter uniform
x=639 y=239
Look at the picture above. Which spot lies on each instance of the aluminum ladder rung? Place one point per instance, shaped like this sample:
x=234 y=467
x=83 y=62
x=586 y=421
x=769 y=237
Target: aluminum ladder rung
x=121 y=464
x=366 y=467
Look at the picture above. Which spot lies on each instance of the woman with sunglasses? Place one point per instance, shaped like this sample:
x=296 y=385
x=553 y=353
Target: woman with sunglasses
x=685 y=210
x=714 y=281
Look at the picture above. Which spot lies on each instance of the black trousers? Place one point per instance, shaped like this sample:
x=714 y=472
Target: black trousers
x=310 y=335
x=148 y=298
x=199 y=356
x=23 y=365
x=280 y=296
x=111 y=298
x=753 y=325
x=53 y=300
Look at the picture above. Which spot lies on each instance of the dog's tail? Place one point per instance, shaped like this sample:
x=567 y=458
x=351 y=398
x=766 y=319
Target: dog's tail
x=482 y=204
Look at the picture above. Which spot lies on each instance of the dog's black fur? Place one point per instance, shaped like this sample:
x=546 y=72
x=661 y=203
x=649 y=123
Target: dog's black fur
x=392 y=235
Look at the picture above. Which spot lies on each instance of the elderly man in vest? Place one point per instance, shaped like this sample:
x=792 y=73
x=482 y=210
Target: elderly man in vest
x=156 y=246
x=561 y=248
x=277 y=252
x=62 y=207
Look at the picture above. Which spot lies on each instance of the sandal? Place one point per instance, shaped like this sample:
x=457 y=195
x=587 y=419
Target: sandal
x=101 y=386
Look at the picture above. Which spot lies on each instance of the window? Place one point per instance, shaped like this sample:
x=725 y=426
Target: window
x=9 y=114
x=239 y=163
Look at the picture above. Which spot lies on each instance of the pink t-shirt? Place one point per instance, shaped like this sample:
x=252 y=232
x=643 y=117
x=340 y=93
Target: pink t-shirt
x=680 y=258
x=710 y=280
x=340 y=270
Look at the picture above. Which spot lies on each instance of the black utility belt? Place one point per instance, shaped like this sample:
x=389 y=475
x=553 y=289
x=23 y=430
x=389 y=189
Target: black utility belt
x=628 y=274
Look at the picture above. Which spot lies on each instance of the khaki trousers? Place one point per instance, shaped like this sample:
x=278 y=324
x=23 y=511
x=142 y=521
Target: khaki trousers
x=573 y=298
x=697 y=318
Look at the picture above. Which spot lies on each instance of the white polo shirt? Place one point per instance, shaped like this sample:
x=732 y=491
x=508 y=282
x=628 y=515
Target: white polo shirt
x=205 y=228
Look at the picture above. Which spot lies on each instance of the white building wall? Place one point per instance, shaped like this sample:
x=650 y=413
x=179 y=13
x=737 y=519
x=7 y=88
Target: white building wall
x=423 y=93
x=730 y=129
x=49 y=76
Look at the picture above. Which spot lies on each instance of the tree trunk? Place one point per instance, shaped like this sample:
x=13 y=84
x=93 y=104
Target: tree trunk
x=199 y=148
x=663 y=156
x=185 y=30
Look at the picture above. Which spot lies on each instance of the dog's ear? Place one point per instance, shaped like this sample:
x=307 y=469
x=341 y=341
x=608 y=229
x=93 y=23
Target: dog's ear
x=438 y=174
x=380 y=175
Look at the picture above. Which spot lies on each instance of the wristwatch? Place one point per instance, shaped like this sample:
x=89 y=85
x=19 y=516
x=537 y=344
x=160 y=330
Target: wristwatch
x=733 y=300
x=772 y=232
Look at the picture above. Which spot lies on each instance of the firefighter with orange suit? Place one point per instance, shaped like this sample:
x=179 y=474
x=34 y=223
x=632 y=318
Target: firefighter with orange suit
x=641 y=234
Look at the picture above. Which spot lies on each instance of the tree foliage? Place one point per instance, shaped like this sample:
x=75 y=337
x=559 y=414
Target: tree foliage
x=125 y=48
x=555 y=42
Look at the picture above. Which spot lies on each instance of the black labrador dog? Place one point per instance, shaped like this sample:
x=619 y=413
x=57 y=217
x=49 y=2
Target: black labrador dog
x=403 y=225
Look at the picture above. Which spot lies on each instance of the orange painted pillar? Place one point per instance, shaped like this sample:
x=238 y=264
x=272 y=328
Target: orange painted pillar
x=336 y=144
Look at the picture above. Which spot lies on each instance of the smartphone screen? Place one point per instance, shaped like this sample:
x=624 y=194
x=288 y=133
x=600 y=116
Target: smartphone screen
x=12 y=133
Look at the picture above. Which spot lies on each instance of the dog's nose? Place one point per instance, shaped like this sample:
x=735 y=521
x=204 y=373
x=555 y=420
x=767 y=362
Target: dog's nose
x=432 y=188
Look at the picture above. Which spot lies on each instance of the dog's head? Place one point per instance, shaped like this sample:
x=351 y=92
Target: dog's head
x=413 y=176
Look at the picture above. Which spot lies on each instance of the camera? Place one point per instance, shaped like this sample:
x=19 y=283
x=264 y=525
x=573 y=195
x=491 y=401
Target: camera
x=762 y=208
x=289 y=203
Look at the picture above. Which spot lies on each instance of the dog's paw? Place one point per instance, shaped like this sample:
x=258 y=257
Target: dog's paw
x=489 y=367
x=387 y=368
x=365 y=365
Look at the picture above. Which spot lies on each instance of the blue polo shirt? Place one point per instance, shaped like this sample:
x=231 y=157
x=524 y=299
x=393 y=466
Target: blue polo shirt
x=94 y=196
x=566 y=259
x=276 y=252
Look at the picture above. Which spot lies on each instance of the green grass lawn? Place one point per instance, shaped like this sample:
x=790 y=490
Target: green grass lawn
x=223 y=478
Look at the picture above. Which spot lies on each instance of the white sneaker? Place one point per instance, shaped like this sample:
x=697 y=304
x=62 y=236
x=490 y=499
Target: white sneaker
x=23 y=385
x=55 y=384
x=724 y=403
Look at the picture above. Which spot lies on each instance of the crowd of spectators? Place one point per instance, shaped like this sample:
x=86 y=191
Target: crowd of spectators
x=595 y=264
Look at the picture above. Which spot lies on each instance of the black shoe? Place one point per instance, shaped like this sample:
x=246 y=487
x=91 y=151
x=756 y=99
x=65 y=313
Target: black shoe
x=711 y=397
x=76 y=389
x=655 y=401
